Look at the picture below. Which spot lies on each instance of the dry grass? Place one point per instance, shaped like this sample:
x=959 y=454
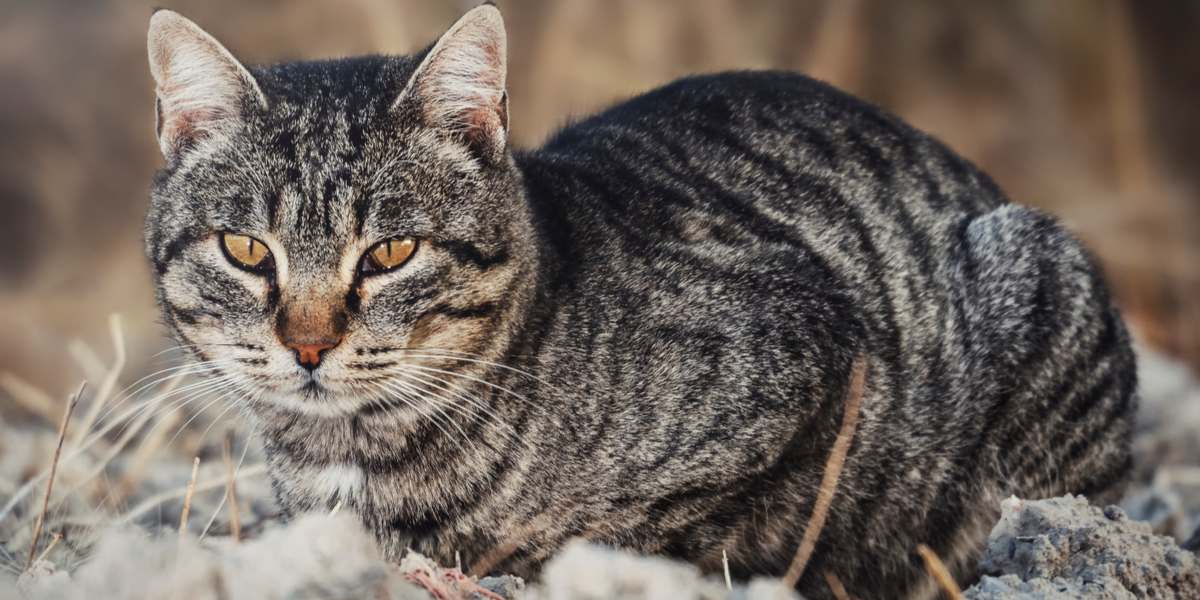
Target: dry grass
x=835 y=586
x=235 y=521
x=107 y=463
x=62 y=434
x=941 y=575
x=187 y=498
x=833 y=471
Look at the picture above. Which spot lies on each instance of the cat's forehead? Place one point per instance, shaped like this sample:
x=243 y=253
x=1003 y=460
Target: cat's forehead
x=323 y=111
x=363 y=83
x=325 y=141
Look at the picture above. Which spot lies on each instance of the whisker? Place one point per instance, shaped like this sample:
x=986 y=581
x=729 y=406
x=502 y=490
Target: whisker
x=486 y=362
x=472 y=378
x=484 y=412
x=227 y=391
x=187 y=369
x=407 y=390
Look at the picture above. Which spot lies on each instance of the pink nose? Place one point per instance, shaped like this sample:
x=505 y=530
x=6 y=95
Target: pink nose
x=309 y=354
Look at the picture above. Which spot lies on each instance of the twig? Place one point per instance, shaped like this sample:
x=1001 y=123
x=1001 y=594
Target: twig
x=725 y=565
x=235 y=521
x=62 y=434
x=58 y=536
x=833 y=470
x=187 y=498
x=937 y=569
x=835 y=586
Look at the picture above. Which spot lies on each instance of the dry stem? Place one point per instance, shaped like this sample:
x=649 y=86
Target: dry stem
x=187 y=498
x=58 y=536
x=937 y=569
x=833 y=471
x=62 y=434
x=835 y=586
x=725 y=566
x=235 y=521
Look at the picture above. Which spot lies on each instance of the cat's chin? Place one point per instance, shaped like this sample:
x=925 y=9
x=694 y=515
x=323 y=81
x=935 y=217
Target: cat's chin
x=316 y=402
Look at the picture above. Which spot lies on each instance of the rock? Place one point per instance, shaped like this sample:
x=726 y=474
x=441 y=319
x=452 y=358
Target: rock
x=584 y=571
x=506 y=586
x=1066 y=548
x=1009 y=587
x=316 y=556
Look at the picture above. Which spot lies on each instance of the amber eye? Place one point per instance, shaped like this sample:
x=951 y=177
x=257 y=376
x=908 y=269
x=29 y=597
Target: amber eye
x=388 y=255
x=246 y=252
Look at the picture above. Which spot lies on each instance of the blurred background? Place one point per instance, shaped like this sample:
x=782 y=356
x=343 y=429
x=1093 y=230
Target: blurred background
x=1085 y=108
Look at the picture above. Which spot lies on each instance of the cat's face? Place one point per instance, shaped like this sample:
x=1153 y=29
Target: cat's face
x=335 y=235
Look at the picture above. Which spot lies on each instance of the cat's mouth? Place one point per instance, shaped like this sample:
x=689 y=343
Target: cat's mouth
x=312 y=397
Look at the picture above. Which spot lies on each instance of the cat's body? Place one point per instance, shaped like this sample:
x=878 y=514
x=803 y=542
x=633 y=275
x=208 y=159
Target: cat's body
x=649 y=339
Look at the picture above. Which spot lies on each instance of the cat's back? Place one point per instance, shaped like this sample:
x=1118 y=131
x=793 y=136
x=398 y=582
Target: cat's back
x=774 y=139
x=766 y=227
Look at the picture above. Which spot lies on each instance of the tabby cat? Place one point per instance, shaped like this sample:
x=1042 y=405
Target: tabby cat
x=641 y=333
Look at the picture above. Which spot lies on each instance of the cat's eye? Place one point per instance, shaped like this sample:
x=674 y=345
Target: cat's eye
x=246 y=252
x=388 y=255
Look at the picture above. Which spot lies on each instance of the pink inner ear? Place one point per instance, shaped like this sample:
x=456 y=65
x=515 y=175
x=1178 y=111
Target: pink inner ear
x=187 y=127
x=200 y=86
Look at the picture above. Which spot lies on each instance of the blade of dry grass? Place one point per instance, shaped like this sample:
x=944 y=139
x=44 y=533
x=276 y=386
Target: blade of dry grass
x=110 y=380
x=58 y=536
x=187 y=498
x=235 y=521
x=29 y=396
x=833 y=471
x=62 y=434
x=835 y=586
x=937 y=569
x=725 y=567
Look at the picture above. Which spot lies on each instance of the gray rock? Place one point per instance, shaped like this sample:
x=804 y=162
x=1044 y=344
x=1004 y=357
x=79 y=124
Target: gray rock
x=1009 y=587
x=506 y=586
x=1066 y=548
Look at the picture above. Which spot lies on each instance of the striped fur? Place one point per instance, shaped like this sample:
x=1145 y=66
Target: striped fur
x=641 y=333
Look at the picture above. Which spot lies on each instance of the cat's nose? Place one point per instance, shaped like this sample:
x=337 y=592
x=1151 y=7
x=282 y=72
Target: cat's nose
x=308 y=354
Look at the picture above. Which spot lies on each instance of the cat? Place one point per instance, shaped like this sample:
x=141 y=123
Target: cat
x=641 y=333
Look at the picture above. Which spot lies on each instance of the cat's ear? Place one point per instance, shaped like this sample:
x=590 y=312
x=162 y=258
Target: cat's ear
x=459 y=86
x=201 y=88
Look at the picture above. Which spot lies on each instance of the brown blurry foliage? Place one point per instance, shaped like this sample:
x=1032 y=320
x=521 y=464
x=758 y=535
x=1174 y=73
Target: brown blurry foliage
x=1086 y=108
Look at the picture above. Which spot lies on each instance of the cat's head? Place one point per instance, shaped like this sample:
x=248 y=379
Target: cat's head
x=329 y=234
